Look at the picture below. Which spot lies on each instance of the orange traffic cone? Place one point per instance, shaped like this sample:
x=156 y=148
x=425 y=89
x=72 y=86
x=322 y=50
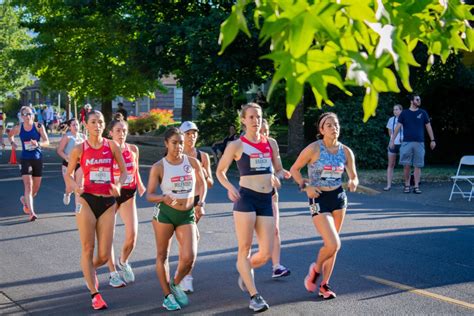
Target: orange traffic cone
x=13 y=157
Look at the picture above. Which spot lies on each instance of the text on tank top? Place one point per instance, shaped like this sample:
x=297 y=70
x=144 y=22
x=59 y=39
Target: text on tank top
x=256 y=157
x=178 y=181
x=97 y=166
x=328 y=169
x=130 y=164
x=30 y=151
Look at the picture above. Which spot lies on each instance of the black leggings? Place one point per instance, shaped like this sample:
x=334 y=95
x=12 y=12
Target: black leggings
x=98 y=204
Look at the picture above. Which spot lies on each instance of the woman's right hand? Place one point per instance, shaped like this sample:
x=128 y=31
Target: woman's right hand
x=233 y=194
x=14 y=146
x=312 y=192
x=391 y=144
x=169 y=200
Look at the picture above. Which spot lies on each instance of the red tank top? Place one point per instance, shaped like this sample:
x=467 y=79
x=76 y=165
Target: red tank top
x=129 y=158
x=97 y=166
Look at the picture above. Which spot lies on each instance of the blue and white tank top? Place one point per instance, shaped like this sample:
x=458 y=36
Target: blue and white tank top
x=29 y=151
x=256 y=157
x=328 y=169
x=73 y=141
x=178 y=181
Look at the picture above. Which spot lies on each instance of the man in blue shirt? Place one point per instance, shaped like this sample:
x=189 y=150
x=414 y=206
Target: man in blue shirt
x=412 y=151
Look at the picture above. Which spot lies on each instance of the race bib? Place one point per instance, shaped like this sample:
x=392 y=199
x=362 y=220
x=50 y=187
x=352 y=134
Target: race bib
x=30 y=146
x=182 y=184
x=100 y=175
x=332 y=172
x=260 y=162
x=127 y=181
x=314 y=209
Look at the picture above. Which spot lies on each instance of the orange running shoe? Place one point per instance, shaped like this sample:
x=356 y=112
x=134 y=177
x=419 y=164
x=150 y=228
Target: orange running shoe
x=325 y=292
x=98 y=302
x=25 y=207
x=311 y=278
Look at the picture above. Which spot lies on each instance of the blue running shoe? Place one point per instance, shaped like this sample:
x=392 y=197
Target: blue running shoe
x=179 y=294
x=170 y=303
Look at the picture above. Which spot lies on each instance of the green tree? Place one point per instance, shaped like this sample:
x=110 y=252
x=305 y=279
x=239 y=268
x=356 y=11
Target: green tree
x=372 y=40
x=13 y=77
x=88 y=48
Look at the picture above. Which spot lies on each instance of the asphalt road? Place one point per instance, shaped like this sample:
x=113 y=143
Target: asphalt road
x=397 y=257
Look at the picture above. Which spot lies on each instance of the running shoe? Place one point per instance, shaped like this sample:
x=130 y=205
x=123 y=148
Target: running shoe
x=66 y=198
x=179 y=294
x=98 y=302
x=115 y=280
x=187 y=284
x=311 y=278
x=170 y=303
x=241 y=283
x=280 y=271
x=128 y=274
x=325 y=292
x=25 y=207
x=258 y=304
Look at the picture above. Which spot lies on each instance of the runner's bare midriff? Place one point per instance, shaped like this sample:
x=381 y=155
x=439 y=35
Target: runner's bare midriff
x=260 y=183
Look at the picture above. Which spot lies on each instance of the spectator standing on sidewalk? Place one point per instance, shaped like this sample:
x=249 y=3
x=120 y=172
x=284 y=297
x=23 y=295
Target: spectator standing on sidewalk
x=122 y=111
x=392 y=153
x=412 y=150
x=219 y=147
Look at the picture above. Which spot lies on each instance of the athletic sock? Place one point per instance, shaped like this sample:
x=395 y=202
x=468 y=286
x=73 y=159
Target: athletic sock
x=93 y=295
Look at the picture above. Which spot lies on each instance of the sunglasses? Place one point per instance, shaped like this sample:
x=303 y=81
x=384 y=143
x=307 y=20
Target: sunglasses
x=27 y=114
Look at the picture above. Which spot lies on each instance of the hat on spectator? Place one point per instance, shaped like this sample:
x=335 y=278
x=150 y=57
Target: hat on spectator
x=87 y=106
x=187 y=126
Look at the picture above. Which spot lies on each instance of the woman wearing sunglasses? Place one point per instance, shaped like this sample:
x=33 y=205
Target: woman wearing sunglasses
x=33 y=136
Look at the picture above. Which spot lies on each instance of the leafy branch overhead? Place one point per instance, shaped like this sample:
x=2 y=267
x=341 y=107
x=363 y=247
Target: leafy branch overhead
x=372 y=39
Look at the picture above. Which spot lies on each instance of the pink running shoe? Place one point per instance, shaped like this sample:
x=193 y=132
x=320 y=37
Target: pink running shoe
x=311 y=278
x=98 y=302
x=325 y=292
x=33 y=217
x=25 y=207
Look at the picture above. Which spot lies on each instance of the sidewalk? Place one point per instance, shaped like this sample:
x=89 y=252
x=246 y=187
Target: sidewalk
x=434 y=193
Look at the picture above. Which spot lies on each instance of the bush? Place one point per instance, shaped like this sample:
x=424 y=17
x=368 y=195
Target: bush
x=11 y=107
x=149 y=121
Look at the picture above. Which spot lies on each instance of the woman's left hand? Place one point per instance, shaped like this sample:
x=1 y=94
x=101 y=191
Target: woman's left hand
x=114 y=190
x=141 y=189
x=352 y=184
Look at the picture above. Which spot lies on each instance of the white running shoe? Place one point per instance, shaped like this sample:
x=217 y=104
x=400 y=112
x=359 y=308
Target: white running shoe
x=128 y=274
x=115 y=280
x=66 y=198
x=187 y=284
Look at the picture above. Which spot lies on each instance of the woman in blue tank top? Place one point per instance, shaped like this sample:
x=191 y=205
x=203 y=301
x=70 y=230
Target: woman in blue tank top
x=326 y=160
x=32 y=136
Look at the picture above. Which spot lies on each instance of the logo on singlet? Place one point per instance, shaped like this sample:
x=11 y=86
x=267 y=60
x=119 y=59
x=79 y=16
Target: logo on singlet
x=187 y=168
x=94 y=161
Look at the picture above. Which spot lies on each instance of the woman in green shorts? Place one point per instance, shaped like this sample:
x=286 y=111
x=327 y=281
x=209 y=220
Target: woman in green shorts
x=177 y=175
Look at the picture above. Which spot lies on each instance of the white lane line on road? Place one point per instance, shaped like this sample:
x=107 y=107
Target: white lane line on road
x=419 y=292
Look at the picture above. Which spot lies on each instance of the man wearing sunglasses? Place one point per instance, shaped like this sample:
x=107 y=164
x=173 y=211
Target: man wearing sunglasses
x=412 y=151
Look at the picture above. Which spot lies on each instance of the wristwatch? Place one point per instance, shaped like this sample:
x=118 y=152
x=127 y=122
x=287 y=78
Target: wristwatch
x=303 y=186
x=201 y=204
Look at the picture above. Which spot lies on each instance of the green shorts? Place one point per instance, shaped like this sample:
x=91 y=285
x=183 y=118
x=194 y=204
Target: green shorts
x=168 y=215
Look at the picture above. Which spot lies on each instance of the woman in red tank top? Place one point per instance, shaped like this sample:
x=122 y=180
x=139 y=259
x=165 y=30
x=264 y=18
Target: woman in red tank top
x=95 y=209
x=126 y=204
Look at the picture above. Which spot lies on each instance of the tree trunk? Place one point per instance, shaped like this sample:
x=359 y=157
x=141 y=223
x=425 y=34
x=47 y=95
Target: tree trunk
x=107 y=110
x=296 y=131
x=187 y=108
x=68 y=107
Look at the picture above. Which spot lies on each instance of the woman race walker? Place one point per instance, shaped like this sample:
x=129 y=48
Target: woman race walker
x=96 y=206
x=392 y=152
x=278 y=270
x=180 y=178
x=326 y=160
x=190 y=131
x=126 y=203
x=33 y=136
x=70 y=139
x=255 y=154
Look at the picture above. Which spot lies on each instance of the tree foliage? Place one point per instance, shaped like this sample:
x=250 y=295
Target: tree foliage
x=372 y=39
x=13 y=77
x=88 y=48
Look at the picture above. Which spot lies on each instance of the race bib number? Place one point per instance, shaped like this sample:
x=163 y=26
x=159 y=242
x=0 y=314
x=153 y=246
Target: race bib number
x=30 y=146
x=332 y=172
x=127 y=181
x=260 y=162
x=182 y=184
x=100 y=175
x=156 y=211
